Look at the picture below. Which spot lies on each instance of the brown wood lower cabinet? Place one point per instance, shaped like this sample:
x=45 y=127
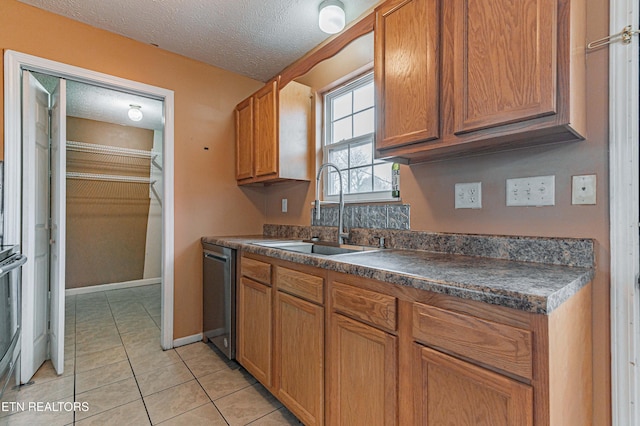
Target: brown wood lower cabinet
x=454 y=392
x=299 y=348
x=254 y=324
x=342 y=350
x=363 y=374
x=281 y=332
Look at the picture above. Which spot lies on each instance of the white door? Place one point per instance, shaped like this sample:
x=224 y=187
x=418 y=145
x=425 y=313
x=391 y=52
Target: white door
x=58 y=222
x=35 y=226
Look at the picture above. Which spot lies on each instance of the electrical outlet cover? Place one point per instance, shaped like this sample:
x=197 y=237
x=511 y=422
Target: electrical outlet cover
x=532 y=191
x=468 y=195
x=583 y=189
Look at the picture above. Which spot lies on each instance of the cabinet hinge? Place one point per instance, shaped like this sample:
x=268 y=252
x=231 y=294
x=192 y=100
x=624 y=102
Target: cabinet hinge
x=625 y=36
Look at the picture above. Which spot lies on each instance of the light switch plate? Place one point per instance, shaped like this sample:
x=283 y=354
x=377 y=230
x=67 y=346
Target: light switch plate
x=284 y=205
x=532 y=191
x=468 y=195
x=583 y=189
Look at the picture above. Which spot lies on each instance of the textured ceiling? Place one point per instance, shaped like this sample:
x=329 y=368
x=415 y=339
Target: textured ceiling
x=256 y=38
x=110 y=106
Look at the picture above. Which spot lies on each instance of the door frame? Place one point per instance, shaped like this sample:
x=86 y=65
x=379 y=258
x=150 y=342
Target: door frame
x=14 y=62
x=624 y=186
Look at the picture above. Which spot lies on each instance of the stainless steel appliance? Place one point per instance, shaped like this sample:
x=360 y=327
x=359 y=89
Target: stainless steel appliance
x=10 y=289
x=219 y=298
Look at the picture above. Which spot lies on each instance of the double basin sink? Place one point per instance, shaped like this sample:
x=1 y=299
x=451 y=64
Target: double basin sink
x=315 y=247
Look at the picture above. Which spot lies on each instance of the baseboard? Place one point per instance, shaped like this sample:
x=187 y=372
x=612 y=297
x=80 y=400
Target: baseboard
x=112 y=286
x=187 y=340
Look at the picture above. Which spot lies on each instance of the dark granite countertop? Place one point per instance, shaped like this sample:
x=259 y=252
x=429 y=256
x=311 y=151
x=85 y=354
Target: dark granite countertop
x=527 y=286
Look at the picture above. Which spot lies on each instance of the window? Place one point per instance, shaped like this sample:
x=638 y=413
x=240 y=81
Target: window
x=349 y=135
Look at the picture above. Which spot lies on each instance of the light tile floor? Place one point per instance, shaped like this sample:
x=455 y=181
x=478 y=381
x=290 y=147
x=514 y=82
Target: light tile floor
x=114 y=363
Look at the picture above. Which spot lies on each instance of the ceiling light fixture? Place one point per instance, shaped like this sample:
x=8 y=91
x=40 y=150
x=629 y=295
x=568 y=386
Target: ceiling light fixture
x=134 y=113
x=331 y=17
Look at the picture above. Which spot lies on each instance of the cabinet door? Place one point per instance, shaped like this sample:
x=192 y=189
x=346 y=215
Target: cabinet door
x=265 y=137
x=299 y=357
x=254 y=329
x=407 y=72
x=363 y=374
x=451 y=391
x=504 y=61
x=244 y=139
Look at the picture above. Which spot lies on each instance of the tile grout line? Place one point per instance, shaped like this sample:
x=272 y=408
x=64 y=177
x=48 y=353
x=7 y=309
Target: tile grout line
x=111 y=304
x=202 y=387
x=267 y=414
x=232 y=393
x=129 y=361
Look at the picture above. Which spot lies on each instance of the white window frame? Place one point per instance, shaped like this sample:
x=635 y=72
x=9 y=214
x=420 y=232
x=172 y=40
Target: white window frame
x=373 y=196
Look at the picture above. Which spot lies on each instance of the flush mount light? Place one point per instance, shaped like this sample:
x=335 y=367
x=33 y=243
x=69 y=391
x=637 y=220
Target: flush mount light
x=134 y=113
x=331 y=16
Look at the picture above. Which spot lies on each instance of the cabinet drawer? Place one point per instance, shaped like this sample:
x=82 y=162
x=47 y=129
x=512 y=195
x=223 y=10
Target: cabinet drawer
x=257 y=270
x=501 y=346
x=371 y=307
x=301 y=284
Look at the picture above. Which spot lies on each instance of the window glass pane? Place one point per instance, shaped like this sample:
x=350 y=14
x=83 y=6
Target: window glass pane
x=339 y=157
x=333 y=186
x=342 y=130
x=361 y=154
x=363 y=97
x=382 y=177
x=341 y=106
x=360 y=180
x=350 y=126
x=363 y=123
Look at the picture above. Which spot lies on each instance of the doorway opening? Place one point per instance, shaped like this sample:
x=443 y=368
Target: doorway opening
x=20 y=184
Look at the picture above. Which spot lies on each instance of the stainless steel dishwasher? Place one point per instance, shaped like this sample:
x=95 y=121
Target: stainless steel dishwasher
x=219 y=298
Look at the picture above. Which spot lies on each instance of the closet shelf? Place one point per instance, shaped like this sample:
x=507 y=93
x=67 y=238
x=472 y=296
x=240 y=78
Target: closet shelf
x=109 y=150
x=110 y=178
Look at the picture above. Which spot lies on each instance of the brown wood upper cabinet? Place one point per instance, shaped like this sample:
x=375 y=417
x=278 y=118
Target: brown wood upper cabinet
x=272 y=134
x=462 y=77
x=406 y=72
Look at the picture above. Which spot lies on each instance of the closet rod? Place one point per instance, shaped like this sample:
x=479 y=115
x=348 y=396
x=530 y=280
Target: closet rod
x=110 y=178
x=107 y=149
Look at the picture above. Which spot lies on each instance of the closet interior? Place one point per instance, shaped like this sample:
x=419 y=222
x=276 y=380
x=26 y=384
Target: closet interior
x=114 y=176
x=113 y=186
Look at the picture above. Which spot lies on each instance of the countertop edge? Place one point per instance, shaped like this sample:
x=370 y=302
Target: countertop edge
x=515 y=300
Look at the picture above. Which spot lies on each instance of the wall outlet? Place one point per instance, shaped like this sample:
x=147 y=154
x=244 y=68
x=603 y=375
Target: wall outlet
x=284 y=205
x=531 y=191
x=468 y=195
x=583 y=189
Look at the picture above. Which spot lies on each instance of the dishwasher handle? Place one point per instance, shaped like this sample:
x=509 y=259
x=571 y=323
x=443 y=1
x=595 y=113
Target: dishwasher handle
x=216 y=256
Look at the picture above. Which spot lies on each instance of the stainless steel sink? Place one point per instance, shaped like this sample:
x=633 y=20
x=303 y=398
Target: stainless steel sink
x=323 y=248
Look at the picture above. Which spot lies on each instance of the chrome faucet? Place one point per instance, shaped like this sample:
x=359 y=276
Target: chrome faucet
x=341 y=232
